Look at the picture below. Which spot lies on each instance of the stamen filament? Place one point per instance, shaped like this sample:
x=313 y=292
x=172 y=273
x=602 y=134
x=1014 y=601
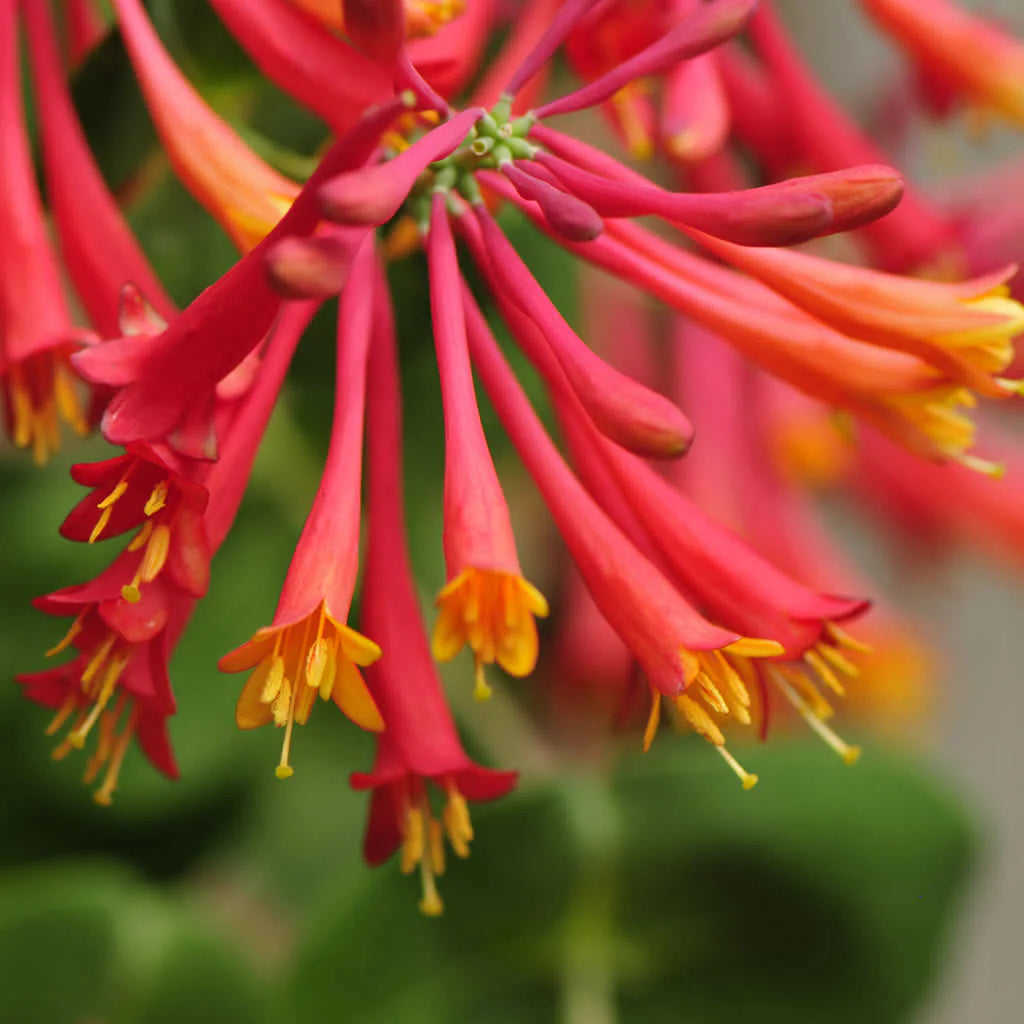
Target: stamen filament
x=849 y=754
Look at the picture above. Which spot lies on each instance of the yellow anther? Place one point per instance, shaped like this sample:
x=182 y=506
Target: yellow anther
x=414 y=839
x=63 y=713
x=105 y=794
x=73 y=630
x=751 y=647
x=823 y=671
x=711 y=694
x=157 y=498
x=316 y=663
x=431 y=903
x=700 y=721
x=844 y=639
x=111 y=498
x=481 y=689
x=748 y=779
x=838 y=660
x=436 y=843
x=653 y=719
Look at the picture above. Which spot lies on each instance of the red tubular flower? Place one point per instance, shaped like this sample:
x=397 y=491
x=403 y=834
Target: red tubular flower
x=420 y=744
x=486 y=603
x=244 y=194
x=36 y=335
x=120 y=674
x=308 y=649
x=149 y=488
x=960 y=49
x=674 y=645
x=82 y=692
x=97 y=246
x=171 y=379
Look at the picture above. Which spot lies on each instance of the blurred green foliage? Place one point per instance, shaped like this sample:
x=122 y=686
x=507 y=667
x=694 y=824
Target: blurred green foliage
x=660 y=893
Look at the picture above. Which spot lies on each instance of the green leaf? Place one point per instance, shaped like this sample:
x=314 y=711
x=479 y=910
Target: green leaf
x=88 y=942
x=824 y=894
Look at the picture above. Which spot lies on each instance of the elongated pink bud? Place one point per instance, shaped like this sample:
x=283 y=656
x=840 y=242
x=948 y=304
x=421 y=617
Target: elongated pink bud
x=623 y=409
x=377 y=27
x=374 y=195
x=772 y=215
x=710 y=25
x=568 y=216
x=315 y=267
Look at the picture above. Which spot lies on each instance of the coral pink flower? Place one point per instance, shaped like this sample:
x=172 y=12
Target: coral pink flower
x=109 y=684
x=486 y=603
x=420 y=744
x=308 y=649
x=36 y=335
x=244 y=194
x=124 y=638
x=146 y=488
x=674 y=645
x=169 y=381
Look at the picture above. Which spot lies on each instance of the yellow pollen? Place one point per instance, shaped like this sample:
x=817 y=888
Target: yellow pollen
x=837 y=660
x=844 y=639
x=431 y=904
x=849 y=754
x=292 y=664
x=711 y=694
x=413 y=841
x=142 y=537
x=481 y=690
x=823 y=671
x=493 y=613
x=995 y=470
x=653 y=719
x=158 y=543
x=73 y=630
x=63 y=713
x=105 y=794
x=700 y=721
x=40 y=392
x=748 y=779
x=457 y=824
x=157 y=498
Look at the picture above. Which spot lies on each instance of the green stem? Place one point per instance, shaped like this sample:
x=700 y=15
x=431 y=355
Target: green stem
x=588 y=966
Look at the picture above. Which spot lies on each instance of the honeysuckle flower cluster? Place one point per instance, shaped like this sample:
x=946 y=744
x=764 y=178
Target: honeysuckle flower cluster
x=702 y=588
